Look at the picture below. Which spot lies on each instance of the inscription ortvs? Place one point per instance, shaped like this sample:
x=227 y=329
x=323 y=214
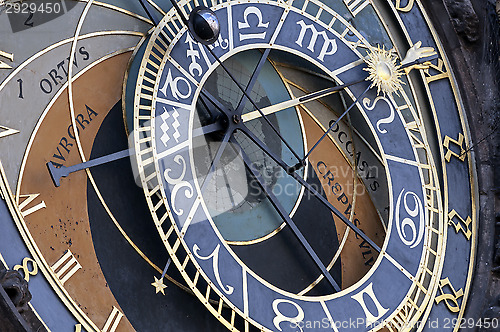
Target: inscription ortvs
x=59 y=74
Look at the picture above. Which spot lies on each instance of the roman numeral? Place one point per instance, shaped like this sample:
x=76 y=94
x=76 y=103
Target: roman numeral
x=6 y=131
x=355 y=6
x=66 y=266
x=370 y=316
x=113 y=320
x=9 y=56
x=27 y=200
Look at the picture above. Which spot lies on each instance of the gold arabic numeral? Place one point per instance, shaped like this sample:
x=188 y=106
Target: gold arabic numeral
x=370 y=316
x=459 y=142
x=451 y=300
x=403 y=319
x=66 y=266
x=78 y=328
x=435 y=72
x=404 y=9
x=6 y=131
x=25 y=266
x=27 y=200
x=461 y=225
x=355 y=6
x=9 y=56
x=113 y=320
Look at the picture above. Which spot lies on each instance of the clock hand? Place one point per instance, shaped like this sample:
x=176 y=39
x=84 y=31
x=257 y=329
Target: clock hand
x=166 y=267
x=216 y=160
x=57 y=173
x=150 y=11
x=297 y=101
x=416 y=52
x=308 y=187
x=254 y=105
x=302 y=162
x=280 y=209
x=253 y=80
x=202 y=19
x=413 y=58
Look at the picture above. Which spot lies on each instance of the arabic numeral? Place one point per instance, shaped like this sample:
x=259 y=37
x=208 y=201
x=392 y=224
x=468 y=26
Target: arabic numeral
x=20 y=81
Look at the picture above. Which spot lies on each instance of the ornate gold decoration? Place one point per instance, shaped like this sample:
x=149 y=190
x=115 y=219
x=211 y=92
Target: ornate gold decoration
x=415 y=53
x=459 y=142
x=25 y=267
x=384 y=71
x=7 y=55
x=462 y=225
x=159 y=285
x=451 y=300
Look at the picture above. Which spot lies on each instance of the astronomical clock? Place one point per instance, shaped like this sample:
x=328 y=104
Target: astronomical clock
x=203 y=165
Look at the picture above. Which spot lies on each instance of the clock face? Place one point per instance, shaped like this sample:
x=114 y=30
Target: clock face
x=307 y=170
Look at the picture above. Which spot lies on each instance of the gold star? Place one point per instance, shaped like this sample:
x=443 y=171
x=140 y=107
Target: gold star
x=159 y=285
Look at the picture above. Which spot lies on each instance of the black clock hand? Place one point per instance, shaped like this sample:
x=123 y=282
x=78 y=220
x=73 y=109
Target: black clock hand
x=284 y=215
x=150 y=11
x=216 y=160
x=253 y=80
x=194 y=28
x=302 y=162
x=57 y=173
x=308 y=187
x=237 y=118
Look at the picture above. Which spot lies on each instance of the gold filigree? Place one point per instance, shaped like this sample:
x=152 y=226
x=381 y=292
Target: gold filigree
x=384 y=71
x=159 y=285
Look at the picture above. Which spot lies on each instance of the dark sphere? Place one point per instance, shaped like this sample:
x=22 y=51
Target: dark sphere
x=204 y=25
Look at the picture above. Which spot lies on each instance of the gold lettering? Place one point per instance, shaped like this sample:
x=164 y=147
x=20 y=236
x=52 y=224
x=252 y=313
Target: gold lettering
x=27 y=200
x=459 y=142
x=458 y=225
x=449 y=299
x=26 y=269
x=9 y=56
x=406 y=8
x=68 y=269
x=403 y=319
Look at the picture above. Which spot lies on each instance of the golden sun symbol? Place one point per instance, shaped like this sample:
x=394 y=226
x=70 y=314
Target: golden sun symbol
x=384 y=72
